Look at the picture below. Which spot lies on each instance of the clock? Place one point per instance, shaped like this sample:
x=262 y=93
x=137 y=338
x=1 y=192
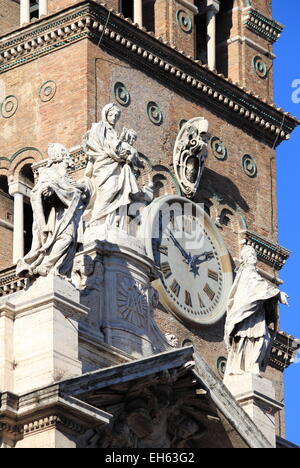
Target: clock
x=196 y=272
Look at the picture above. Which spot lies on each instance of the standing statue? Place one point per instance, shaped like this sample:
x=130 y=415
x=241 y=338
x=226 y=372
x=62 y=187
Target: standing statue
x=57 y=203
x=109 y=171
x=252 y=307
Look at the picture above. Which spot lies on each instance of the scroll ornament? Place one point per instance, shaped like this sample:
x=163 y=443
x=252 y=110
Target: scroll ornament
x=190 y=153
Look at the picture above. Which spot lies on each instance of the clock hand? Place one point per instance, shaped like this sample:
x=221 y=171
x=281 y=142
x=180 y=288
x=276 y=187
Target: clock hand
x=181 y=249
x=196 y=261
x=196 y=258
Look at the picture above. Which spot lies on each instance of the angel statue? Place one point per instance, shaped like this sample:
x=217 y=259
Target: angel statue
x=252 y=308
x=57 y=203
x=110 y=170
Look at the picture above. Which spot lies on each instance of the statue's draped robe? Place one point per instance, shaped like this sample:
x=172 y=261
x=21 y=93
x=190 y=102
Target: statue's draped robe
x=55 y=223
x=111 y=182
x=252 y=306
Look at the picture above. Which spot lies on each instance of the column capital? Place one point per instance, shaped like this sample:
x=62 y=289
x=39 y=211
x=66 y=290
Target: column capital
x=213 y=5
x=19 y=187
x=189 y=6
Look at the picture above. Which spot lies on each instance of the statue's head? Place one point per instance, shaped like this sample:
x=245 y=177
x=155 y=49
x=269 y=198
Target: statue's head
x=249 y=255
x=57 y=153
x=131 y=136
x=111 y=114
x=192 y=169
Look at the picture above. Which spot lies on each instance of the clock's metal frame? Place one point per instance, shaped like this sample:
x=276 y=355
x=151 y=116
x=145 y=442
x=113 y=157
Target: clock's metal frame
x=149 y=216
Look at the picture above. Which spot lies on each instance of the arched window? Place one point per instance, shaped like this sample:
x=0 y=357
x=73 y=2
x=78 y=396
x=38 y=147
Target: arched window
x=27 y=178
x=149 y=15
x=6 y=224
x=4 y=184
x=34 y=9
x=126 y=8
x=201 y=37
x=26 y=175
x=224 y=27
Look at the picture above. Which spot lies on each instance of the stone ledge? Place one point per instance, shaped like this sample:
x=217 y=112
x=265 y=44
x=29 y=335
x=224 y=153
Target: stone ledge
x=267 y=251
x=264 y=27
x=284 y=351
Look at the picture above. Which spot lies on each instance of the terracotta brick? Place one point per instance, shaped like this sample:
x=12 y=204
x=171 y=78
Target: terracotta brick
x=9 y=15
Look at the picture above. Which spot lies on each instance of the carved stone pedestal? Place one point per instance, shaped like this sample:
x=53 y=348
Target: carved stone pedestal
x=256 y=395
x=39 y=335
x=116 y=287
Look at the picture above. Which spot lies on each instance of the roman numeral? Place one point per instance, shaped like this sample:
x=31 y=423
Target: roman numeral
x=213 y=275
x=209 y=292
x=188 y=299
x=201 y=303
x=176 y=222
x=163 y=249
x=187 y=225
x=175 y=288
x=166 y=270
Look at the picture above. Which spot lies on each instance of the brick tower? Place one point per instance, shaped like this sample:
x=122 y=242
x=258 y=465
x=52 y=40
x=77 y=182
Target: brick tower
x=164 y=62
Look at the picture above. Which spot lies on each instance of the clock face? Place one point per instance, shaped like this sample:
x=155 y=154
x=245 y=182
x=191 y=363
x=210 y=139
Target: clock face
x=196 y=273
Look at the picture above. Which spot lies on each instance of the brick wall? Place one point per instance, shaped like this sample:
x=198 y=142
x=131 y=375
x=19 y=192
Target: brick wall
x=237 y=48
x=9 y=16
x=167 y=25
x=55 y=5
x=64 y=118
x=6 y=233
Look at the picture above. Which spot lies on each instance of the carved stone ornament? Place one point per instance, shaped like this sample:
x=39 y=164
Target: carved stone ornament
x=9 y=107
x=260 y=67
x=47 y=91
x=161 y=411
x=190 y=153
x=132 y=302
x=184 y=21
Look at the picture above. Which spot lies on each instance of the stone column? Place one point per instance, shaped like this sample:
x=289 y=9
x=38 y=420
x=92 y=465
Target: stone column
x=138 y=12
x=256 y=395
x=24 y=12
x=213 y=9
x=18 y=242
x=43 y=7
x=18 y=190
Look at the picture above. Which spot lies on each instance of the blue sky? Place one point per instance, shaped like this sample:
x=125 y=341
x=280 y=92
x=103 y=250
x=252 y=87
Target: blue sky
x=287 y=70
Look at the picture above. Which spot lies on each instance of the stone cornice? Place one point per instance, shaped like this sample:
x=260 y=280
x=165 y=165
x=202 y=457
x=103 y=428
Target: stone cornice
x=267 y=251
x=153 y=56
x=284 y=351
x=263 y=26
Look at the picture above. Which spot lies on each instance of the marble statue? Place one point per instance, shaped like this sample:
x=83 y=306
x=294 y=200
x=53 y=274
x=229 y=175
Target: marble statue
x=110 y=175
x=252 y=307
x=57 y=203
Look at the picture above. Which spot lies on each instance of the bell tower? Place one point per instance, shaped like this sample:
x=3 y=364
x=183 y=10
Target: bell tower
x=246 y=33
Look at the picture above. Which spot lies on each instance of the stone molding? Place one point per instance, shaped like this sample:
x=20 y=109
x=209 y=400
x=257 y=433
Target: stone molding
x=153 y=55
x=249 y=42
x=44 y=409
x=63 y=406
x=267 y=251
x=284 y=351
x=189 y=6
x=228 y=406
x=265 y=27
